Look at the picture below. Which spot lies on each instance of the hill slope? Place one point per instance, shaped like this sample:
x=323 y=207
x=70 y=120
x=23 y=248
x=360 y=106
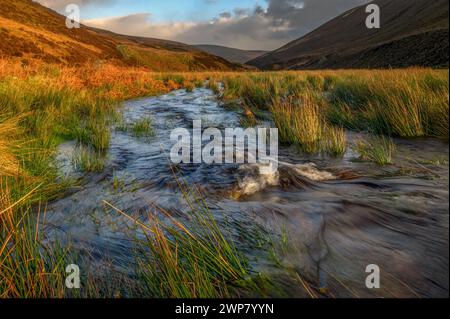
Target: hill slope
x=231 y=54
x=31 y=31
x=411 y=33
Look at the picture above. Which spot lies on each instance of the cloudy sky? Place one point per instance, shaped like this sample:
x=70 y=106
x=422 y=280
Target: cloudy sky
x=245 y=24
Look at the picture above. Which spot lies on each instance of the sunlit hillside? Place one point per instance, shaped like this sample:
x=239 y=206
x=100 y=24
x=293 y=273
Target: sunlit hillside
x=30 y=31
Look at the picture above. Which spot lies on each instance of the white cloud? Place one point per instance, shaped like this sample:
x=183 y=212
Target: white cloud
x=140 y=24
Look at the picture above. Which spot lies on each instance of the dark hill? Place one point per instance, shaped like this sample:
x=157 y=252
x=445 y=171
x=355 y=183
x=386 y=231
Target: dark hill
x=412 y=33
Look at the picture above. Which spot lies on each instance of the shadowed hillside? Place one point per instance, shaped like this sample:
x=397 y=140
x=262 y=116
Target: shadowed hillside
x=231 y=54
x=31 y=31
x=412 y=33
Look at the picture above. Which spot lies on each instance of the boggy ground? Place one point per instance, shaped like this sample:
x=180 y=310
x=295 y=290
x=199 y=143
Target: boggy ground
x=189 y=251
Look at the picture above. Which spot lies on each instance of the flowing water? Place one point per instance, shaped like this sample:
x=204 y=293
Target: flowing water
x=333 y=217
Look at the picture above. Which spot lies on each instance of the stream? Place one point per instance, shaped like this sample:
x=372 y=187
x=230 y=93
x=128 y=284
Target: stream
x=339 y=215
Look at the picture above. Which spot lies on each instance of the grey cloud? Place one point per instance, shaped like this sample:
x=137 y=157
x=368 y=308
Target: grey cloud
x=282 y=22
x=226 y=15
x=305 y=15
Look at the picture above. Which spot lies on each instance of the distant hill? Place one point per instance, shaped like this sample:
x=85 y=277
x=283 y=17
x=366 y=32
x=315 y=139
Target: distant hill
x=231 y=54
x=29 y=30
x=412 y=33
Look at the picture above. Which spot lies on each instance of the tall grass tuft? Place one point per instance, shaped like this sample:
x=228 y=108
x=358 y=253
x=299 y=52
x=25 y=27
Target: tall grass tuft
x=334 y=140
x=10 y=165
x=213 y=86
x=300 y=121
x=88 y=160
x=376 y=149
x=192 y=259
x=143 y=128
x=95 y=135
x=305 y=122
x=28 y=269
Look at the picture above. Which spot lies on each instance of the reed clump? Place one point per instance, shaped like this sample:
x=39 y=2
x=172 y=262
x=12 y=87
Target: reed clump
x=193 y=258
x=28 y=269
x=9 y=130
x=300 y=121
x=376 y=149
x=143 y=128
x=404 y=103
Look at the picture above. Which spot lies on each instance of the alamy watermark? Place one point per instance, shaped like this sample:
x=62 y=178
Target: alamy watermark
x=73 y=277
x=73 y=16
x=373 y=20
x=373 y=279
x=233 y=145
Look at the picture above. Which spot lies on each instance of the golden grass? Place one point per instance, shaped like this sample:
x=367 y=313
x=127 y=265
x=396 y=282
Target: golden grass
x=103 y=80
x=309 y=106
x=299 y=120
x=10 y=165
x=27 y=270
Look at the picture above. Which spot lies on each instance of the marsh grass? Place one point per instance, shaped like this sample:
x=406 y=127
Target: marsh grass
x=46 y=115
x=88 y=160
x=118 y=184
x=213 y=86
x=42 y=106
x=28 y=269
x=190 y=87
x=400 y=103
x=376 y=149
x=94 y=135
x=33 y=267
x=9 y=131
x=210 y=263
x=405 y=103
x=300 y=121
x=190 y=259
x=334 y=140
x=198 y=83
x=143 y=128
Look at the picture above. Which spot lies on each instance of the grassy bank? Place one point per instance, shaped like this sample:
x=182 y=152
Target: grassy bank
x=311 y=108
x=40 y=107
x=44 y=105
